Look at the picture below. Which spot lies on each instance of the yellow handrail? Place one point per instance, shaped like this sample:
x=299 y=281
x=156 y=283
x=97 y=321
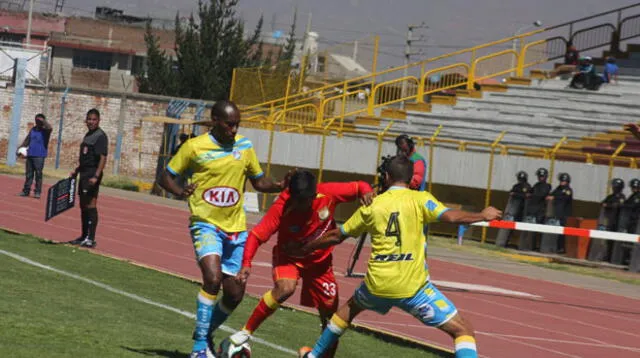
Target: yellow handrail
x=487 y=198
x=432 y=142
x=472 y=50
x=552 y=165
x=611 y=160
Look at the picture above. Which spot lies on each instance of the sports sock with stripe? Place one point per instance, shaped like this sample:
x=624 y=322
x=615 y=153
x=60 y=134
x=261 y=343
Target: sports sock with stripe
x=220 y=314
x=336 y=327
x=203 y=320
x=466 y=347
x=264 y=309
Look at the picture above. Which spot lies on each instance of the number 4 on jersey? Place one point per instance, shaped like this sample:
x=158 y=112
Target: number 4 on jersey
x=393 y=227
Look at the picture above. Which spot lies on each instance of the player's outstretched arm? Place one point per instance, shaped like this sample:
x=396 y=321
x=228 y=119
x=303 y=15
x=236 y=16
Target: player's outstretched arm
x=264 y=184
x=331 y=238
x=466 y=217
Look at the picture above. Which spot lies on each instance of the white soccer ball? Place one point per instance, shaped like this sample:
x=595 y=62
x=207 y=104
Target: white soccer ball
x=230 y=350
x=22 y=151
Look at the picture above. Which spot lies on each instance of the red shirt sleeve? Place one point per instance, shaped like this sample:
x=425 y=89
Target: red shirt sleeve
x=418 y=174
x=345 y=192
x=262 y=232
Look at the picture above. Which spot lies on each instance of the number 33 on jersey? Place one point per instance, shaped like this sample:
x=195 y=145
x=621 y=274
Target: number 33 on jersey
x=395 y=221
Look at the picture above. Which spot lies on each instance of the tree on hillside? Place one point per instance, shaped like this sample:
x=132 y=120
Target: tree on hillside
x=290 y=47
x=255 y=45
x=208 y=47
x=158 y=78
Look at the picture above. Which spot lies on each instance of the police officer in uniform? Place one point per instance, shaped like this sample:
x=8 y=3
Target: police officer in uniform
x=633 y=205
x=91 y=163
x=562 y=198
x=536 y=199
x=612 y=204
x=519 y=192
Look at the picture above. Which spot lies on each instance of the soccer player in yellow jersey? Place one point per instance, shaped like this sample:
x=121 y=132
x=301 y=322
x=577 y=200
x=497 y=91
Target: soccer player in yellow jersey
x=221 y=161
x=396 y=274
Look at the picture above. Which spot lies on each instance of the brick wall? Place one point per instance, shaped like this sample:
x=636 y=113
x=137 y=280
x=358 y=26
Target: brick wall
x=141 y=141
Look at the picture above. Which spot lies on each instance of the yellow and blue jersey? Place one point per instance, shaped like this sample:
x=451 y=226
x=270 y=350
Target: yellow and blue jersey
x=220 y=174
x=395 y=220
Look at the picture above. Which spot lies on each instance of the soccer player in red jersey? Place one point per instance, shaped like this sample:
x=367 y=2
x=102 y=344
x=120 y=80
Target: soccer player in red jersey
x=302 y=213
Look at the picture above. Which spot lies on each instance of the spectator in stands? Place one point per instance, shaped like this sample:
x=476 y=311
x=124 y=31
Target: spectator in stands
x=634 y=129
x=611 y=206
x=37 y=143
x=518 y=192
x=536 y=198
x=610 y=70
x=562 y=198
x=406 y=147
x=586 y=78
x=571 y=57
x=633 y=205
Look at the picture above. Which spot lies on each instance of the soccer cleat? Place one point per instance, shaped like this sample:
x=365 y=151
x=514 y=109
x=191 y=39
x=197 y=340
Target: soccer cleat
x=76 y=242
x=24 y=194
x=36 y=195
x=239 y=338
x=205 y=353
x=88 y=243
x=304 y=352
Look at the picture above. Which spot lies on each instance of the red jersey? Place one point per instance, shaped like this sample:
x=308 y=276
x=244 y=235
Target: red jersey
x=302 y=227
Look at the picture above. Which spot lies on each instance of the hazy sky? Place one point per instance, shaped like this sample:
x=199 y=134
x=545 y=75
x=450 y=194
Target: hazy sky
x=452 y=23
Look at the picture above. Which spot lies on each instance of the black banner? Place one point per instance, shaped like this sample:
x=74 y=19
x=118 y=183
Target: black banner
x=60 y=198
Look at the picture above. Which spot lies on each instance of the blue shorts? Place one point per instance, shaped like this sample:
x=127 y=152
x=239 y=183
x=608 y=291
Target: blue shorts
x=209 y=240
x=428 y=305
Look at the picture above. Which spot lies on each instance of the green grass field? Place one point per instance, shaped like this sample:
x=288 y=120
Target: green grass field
x=44 y=312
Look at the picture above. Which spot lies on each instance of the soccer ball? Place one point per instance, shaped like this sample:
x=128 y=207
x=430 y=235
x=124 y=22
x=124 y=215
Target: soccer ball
x=22 y=151
x=230 y=350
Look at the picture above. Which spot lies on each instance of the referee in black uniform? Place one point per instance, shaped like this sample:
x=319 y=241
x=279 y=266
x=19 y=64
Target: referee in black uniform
x=93 y=157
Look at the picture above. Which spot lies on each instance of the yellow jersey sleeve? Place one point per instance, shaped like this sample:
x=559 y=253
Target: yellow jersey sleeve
x=432 y=208
x=356 y=224
x=254 y=171
x=182 y=160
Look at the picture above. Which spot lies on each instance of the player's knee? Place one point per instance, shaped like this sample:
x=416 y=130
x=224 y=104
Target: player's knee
x=463 y=328
x=211 y=280
x=284 y=289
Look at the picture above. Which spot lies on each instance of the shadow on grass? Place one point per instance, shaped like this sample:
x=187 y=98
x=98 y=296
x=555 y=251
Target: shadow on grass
x=157 y=352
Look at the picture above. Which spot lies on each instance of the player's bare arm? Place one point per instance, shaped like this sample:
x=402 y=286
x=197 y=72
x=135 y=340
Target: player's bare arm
x=168 y=183
x=267 y=185
x=331 y=238
x=465 y=217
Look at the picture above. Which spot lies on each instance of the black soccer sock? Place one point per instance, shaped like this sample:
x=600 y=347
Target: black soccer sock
x=83 y=215
x=92 y=222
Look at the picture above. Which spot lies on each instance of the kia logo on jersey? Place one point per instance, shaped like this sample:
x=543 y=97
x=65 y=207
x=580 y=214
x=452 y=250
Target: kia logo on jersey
x=221 y=196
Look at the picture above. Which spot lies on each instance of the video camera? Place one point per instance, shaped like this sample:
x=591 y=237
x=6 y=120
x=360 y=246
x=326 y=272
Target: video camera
x=382 y=169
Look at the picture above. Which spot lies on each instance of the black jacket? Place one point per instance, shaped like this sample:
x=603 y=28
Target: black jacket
x=536 y=203
x=562 y=201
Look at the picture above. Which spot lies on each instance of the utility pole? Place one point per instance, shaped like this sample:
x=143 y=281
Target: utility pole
x=29 y=24
x=407 y=55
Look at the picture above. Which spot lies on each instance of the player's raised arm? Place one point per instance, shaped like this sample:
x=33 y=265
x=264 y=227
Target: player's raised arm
x=351 y=191
x=264 y=184
x=466 y=217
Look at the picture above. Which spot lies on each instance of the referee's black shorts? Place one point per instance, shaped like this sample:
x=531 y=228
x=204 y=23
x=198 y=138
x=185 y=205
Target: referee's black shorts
x=86 y=191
